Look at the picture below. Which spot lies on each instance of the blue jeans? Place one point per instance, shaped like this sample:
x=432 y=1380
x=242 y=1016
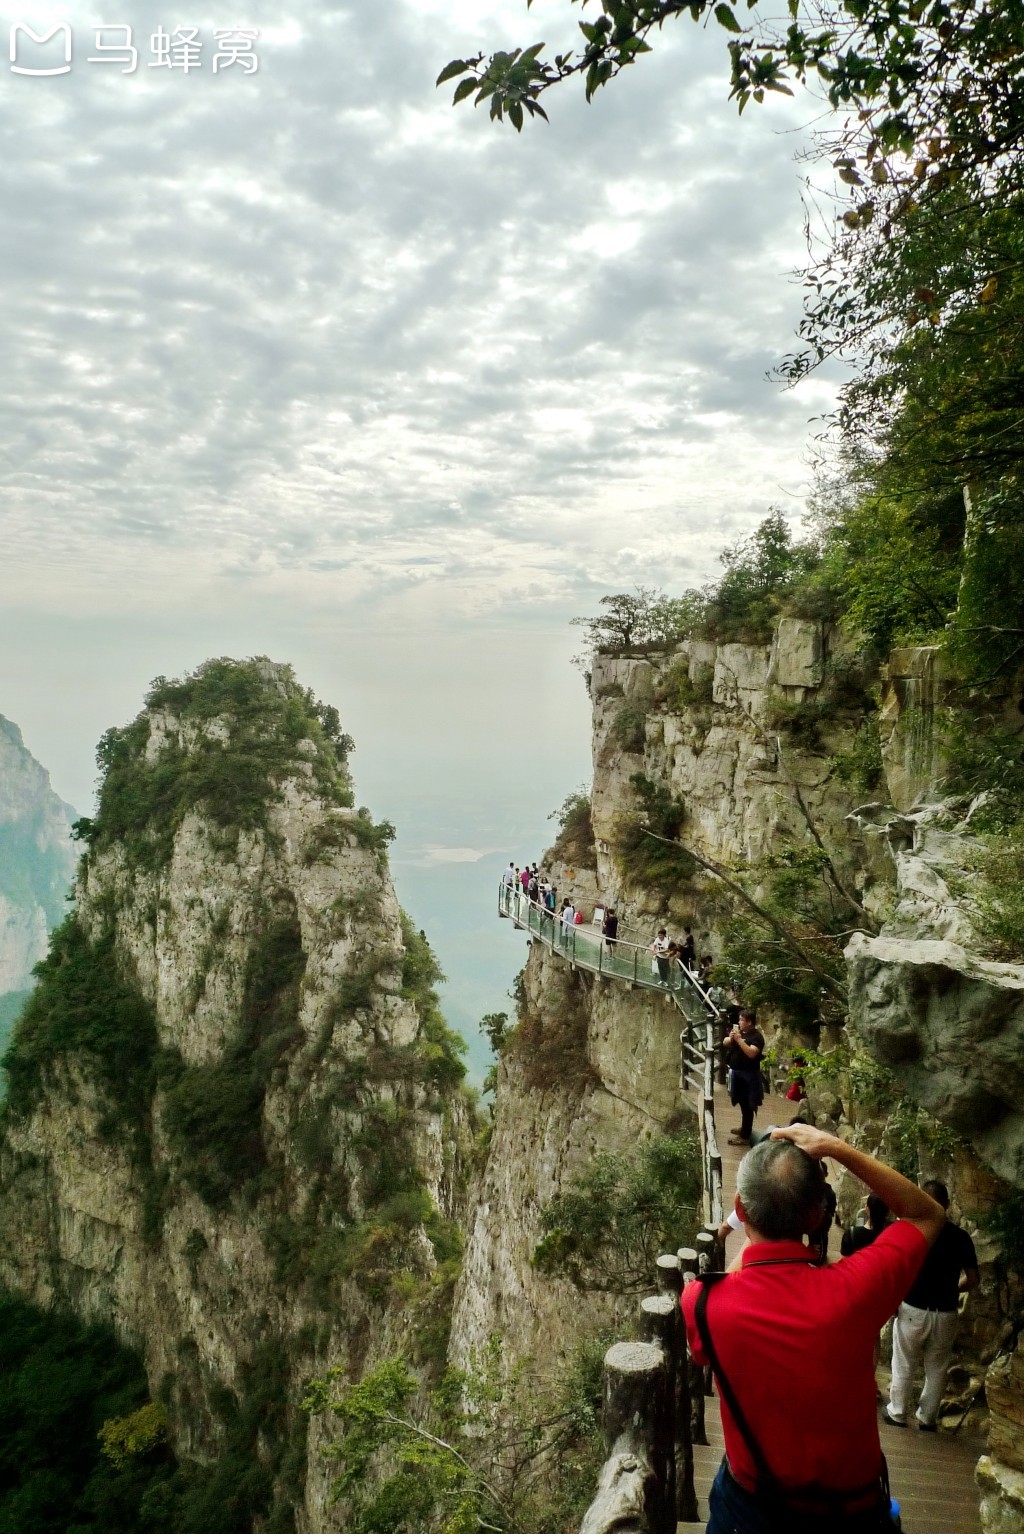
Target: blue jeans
x=735 y=1511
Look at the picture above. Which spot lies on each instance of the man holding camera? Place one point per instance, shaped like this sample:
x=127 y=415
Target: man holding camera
x=791 y=1344
x=744 y=1046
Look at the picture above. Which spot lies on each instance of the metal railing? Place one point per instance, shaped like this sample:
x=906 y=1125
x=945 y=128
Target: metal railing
x=586 y=946
x=654 y=1392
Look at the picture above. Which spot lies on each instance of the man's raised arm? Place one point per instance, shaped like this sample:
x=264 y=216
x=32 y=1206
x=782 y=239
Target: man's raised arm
x=905 y=1199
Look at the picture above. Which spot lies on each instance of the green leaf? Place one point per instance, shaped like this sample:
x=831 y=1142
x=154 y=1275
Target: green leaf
x=725 y=18
x=456 y=67
x=463 y=89
x=515 y=113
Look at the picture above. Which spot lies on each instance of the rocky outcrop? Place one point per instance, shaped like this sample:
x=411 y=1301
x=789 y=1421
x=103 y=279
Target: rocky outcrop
x=257 y=1131
x=950 y=1025
x=37 y=859
x=909 y=725
x=923 y=1001
x=727 y=730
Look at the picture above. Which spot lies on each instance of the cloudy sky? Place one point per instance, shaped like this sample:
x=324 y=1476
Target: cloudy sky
x=304 y=362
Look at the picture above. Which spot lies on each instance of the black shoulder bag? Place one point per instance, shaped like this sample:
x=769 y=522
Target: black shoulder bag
x=795 y=1509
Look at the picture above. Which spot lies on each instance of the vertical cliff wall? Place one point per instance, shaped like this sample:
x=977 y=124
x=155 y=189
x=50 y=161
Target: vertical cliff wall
x=749 y=754
x=595 y=1065
x=235 y=1125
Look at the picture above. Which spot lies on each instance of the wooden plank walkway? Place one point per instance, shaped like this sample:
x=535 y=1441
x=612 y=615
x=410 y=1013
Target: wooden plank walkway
x=932 y=1474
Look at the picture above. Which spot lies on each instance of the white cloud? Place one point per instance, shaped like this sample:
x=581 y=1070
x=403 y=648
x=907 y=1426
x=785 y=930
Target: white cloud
x=311 y=343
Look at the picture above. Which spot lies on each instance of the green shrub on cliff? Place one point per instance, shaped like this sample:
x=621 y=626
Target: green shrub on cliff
x=516 y=1448
x=574 y=843
x=606 y=1228
x=82 y=1007
x=439 y=1049
x=244 y=723
x=648 y=860
x=213 y=1112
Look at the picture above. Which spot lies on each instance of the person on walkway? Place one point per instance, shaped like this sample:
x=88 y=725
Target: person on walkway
x=926 y=1323
x=791 y=1344
x=507 y=877
x=745 y=1046
x=533 y=888
x=567 y=917
x=818 y=1239
x=857 y=1237
x=797 y=1089
x=707 y=964
x=688 y=949
x=524 y=878
x=610 y=928
x=659 y=956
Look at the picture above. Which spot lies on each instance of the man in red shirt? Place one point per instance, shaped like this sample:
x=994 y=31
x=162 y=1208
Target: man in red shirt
x=794 y=1343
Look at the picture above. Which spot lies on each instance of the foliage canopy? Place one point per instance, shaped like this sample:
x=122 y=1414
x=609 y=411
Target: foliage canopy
x=607 y=1227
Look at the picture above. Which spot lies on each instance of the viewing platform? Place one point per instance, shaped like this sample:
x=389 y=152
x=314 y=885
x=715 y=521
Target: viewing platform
x=584 y=947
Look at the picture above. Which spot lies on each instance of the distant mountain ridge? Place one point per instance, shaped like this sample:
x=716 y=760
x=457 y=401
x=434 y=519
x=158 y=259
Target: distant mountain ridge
x=37 y=859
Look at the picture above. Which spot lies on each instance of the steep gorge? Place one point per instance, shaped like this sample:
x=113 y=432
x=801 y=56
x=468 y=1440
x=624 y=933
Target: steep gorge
x=774 y=764
x=236 y=1128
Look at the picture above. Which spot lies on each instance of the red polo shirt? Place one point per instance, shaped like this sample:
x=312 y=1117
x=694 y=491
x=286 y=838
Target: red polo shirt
x=796 y=1343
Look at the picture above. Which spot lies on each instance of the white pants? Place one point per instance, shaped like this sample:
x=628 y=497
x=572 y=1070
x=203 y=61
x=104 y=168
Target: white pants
x=921 y=1338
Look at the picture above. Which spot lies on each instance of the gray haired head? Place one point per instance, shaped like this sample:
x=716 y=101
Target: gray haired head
x=782 y=1190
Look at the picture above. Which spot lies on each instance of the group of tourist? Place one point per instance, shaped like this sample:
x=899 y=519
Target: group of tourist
x=535 y=885
x=669 y=954
x=532 y=883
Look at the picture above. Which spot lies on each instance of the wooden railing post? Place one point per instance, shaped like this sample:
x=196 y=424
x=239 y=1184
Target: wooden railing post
x=632 y=1493
x=662 y=1321
x=689 y=1262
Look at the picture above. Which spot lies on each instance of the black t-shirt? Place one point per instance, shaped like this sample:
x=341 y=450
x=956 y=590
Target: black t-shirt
x=936 y=1286
x=856 y=1239
x=738 y=1061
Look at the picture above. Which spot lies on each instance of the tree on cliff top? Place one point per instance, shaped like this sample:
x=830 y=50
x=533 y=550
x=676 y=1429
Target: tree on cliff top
x=926 y=103
x=940 y=84
x=741 y=605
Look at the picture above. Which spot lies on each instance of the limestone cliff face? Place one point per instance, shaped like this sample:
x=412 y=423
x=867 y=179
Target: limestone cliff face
x=37 y=859
x=738 y=734
x=240 y=1175
x=595 y=1068
x=747 y=746
x=597 y=1065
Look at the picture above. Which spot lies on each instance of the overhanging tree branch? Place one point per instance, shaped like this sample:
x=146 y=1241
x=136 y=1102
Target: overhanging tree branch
x=778 y=927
